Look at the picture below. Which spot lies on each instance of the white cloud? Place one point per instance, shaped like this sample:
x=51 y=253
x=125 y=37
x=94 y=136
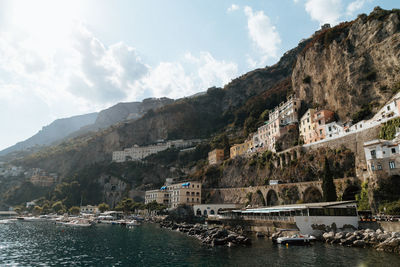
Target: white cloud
x=324 y=11
x=354 y=6
x=264 y=36
x=83 y=75
x=104 y=74
x=232 y=8
x=187 y=77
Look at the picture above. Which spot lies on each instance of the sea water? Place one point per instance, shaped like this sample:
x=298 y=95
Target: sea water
x=47 y=244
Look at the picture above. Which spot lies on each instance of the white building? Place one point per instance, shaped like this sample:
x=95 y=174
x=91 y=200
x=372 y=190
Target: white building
x=140 y=152
x=89 y=209
x=334 y=130
x=303 y=216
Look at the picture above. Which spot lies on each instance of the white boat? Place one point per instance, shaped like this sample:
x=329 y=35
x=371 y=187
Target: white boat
x=132 y=223
x=296 y=240
x=78 y=223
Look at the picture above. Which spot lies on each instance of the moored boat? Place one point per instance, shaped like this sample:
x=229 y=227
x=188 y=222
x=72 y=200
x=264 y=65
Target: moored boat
x=295 y=240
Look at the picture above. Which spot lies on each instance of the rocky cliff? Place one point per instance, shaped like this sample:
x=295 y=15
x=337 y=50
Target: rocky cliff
x=353 y=66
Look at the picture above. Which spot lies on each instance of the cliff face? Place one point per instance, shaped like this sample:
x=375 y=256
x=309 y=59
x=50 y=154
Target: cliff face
x=354 y=64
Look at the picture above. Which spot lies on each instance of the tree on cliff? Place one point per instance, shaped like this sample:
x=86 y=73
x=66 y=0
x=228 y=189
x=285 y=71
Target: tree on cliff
x=328 y=187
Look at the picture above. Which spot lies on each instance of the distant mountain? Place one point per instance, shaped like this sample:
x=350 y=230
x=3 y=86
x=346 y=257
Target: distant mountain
x=53 y=132
x=122 y=112
x=62 y=129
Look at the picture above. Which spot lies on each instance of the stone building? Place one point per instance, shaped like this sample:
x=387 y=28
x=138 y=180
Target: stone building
x=216 y=156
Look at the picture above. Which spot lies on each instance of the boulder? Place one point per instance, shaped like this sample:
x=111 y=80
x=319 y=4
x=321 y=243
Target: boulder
x=383 y=237
x=359 y=243
x=378 y=231
x=328 y=236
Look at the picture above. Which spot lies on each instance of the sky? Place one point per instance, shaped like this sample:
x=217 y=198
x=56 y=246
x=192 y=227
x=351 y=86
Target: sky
x=64 y=58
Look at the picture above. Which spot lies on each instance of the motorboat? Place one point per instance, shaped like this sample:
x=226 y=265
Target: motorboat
x=296 y=240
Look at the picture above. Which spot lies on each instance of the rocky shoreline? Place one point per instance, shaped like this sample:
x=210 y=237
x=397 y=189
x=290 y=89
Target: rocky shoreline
x=379 y=240
x=218 y=236
x=215 y=236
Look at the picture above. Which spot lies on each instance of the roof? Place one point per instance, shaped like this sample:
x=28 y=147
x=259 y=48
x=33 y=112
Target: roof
x=296 y=206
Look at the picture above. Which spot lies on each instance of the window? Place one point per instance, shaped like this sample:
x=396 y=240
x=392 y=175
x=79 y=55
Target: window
x=393 y=150
x=372 y=167
x=392 y=165
x=388 y=107
x=320 y=132
x=319 y=122
x=330 y=128
x=379 y=166
x=373 y=154
x=308 y=119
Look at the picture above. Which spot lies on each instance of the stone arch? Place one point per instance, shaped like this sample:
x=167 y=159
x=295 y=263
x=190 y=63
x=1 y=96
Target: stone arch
x=272 y=198
x=350 y=192
x=198 y=212
x=312 y=194
x=212 y=212
x=205 y=212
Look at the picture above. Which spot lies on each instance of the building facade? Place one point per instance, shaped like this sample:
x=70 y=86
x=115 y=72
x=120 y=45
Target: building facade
x=306 y=126
x=321 y=118
x=89 y=209
x=160 y=196
x=241 y=149
x=282 y=116
x=140 y=152
x=383 y=157
x=216 y=156
x=176 y=194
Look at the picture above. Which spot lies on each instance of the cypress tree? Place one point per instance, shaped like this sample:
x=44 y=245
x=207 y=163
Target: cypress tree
x=328 y=187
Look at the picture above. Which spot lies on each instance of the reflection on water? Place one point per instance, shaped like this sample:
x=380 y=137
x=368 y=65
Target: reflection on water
x=30 y=244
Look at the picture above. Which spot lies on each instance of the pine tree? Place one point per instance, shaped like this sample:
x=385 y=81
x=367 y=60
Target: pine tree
x=328 y=187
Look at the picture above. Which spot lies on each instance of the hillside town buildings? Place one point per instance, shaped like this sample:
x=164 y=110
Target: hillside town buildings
x=42 y=178
x=140 y=152
x=216 y=156
x=280 y=119
x=173 y=195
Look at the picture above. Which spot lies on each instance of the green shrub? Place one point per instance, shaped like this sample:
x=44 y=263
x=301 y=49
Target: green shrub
x=388 y=130
x=364 y=113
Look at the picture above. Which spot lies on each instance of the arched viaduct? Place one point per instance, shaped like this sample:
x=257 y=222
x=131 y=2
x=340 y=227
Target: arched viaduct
x=289 y=193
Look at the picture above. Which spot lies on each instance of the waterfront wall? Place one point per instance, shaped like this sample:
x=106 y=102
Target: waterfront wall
x=383 y=225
